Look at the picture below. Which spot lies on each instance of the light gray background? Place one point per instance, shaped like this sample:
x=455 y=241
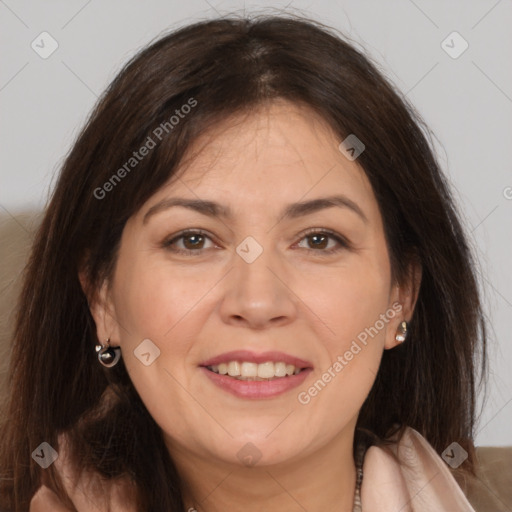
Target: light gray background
x=466 y=101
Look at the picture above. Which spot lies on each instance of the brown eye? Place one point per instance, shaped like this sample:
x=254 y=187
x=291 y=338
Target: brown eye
x=318 y=241
x=192 y=241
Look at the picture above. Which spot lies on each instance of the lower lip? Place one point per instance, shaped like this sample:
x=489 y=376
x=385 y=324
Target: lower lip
x=257 y=389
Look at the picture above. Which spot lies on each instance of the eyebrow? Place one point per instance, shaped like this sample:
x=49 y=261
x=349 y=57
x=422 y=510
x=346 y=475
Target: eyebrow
x=291 y=211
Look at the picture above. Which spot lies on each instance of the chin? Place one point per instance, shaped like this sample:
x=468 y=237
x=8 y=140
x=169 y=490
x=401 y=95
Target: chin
x=262 y=449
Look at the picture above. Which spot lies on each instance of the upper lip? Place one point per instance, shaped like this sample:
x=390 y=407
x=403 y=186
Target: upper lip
x=253 y=357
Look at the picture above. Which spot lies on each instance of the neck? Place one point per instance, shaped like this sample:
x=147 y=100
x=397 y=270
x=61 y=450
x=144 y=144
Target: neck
x=323 y=480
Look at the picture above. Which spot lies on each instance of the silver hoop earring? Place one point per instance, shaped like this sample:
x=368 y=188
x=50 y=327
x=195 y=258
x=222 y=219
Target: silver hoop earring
x=401 y=332
x=108 y=356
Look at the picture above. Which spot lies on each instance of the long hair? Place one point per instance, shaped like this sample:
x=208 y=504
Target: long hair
x=218 y=68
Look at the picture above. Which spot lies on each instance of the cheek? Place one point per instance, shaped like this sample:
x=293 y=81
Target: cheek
x=148 y=310
x=160 y=304
x=349 y=365
x=353 y=307
x=154 y=299
x=349 y=302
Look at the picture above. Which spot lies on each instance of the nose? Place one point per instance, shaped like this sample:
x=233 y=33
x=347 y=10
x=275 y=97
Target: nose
x=258 y=294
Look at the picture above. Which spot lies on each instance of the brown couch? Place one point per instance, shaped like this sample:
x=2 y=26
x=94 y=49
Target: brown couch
x=491 y=491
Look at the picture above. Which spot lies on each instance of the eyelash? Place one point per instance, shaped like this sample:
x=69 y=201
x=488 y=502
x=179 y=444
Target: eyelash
x=344 y=244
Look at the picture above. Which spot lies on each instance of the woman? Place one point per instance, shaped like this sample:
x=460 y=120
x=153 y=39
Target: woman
x=250 y=289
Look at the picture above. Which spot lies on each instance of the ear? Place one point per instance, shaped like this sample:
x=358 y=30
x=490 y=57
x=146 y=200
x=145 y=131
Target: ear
x=406 y=295
x=102 y=310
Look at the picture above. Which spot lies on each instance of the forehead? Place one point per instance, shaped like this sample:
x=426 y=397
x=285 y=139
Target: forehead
x=279 y=153
x=280 y=134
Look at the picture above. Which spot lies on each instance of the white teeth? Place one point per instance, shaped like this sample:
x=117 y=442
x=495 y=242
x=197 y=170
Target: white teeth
x=266 y=370
x=233 y=368
x=246 y=370
x=280 y=369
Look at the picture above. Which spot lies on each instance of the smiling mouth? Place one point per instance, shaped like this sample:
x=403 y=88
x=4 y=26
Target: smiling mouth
x=249 y=371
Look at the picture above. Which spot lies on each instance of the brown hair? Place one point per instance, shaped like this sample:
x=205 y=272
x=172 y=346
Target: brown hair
x=227 y=66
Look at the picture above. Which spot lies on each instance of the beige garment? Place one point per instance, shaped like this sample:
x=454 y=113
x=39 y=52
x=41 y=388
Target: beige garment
x=422 y=482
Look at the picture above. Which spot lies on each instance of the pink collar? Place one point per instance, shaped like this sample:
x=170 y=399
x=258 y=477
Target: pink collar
x=422 y=482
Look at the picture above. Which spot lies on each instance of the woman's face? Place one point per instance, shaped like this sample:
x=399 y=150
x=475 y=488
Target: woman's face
x=264 y=282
